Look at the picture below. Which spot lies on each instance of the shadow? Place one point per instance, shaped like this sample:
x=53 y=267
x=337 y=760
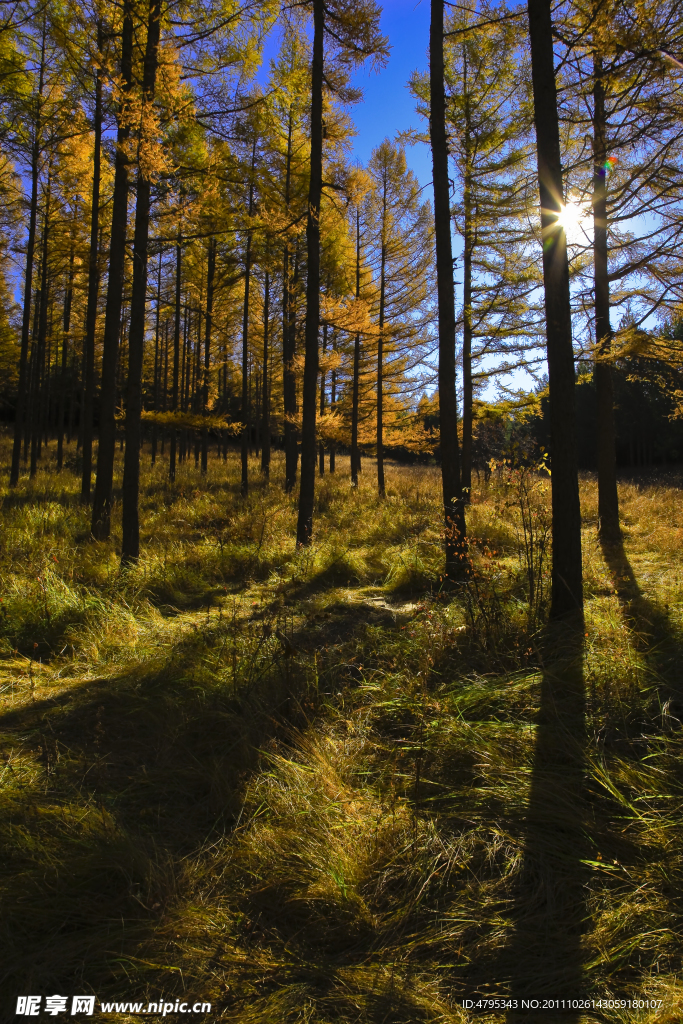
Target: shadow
x=653 y=476
x=543 y=960
x=112 y=787
x=655 y=635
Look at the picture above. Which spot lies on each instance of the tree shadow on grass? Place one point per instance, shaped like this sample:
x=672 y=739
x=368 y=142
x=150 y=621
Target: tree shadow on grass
x=109 y=788
x=543 y=960
x=656 y=636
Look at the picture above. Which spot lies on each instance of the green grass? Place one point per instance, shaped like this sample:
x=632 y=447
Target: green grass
x=317 y=786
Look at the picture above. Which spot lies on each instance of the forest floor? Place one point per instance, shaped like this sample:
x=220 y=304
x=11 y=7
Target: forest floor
x=321 y=786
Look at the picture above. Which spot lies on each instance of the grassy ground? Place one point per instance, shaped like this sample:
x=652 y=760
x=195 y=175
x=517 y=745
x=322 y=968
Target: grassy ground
x=318 y=786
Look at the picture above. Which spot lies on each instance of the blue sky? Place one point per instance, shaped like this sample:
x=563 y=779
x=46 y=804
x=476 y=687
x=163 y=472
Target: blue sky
x=387 y=106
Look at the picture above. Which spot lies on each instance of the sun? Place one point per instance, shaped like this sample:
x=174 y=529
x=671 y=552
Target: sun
x=576 y=223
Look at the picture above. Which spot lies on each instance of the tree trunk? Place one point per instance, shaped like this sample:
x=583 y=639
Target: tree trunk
x=182 y=434
x=289 y=340
x=246 y=417
x=23 y=383
x=176 y=357
x=46 y=396
x=567 y=587
x=380 y=349
x=468 y=246
x=210 y=275
x=608 y=497
x=93 y=289
x=164 y=399
x=454 y=512
x=355 y=460
x=130 y=549
x=265 y=423
x=41 y=334
x=321 y=449
x=333 y=402
x=66 y=326
x=157 y=361
x=304 y=529
x=102 y=498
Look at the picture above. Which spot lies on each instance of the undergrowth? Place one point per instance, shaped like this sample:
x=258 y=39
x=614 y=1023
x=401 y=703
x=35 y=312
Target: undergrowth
x=317 y=786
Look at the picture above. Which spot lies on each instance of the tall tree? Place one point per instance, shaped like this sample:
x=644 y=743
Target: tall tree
x=265 y=415
x=35 y=120
x=454 y=511
x=208 y=328
x=304 y=528
x=246 y=414
x=175 y=386
x=66 y=332
x=400 y=252
x=567 y=584
x=93 y=280
x=355 y=379
x=102 y=498
x=490 y=127
x=130 y=548
x=619 y=91
x=353 y=29
x=40 y=335
x=608 y=498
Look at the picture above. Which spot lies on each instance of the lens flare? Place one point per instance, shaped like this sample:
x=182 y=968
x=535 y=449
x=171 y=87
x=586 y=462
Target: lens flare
x=575 y=222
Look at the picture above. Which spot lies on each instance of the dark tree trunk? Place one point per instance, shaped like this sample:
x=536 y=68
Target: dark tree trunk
x=46 y=396
x=185 y=373
x=321 y=450
x=157 y=361
x=333 y=402
x=380 y=350
x=468 y=246
x=164 y=398
x=289 y=340
x=182 y=433
x=93 y=290
x=355 y=458
x=265 y=422
x=304 y=529
x=176 y=357
x=454 y=512
x=608 y=497
x=73 y=388
x=246 y=413
x=41 y=334
x=23 y=383
x=102 y=498
x=66 y=326
x=210 y=274
x=130 y=548
x=567 y=587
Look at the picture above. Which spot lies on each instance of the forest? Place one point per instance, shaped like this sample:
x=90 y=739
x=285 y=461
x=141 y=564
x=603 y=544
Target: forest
x=340 y=549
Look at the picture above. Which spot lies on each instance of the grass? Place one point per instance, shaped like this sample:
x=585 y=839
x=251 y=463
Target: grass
x=317 y=786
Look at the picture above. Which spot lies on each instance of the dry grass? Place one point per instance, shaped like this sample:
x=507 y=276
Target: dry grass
x=314 y=786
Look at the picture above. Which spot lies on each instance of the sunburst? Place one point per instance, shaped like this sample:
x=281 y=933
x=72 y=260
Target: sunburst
x=576 y=222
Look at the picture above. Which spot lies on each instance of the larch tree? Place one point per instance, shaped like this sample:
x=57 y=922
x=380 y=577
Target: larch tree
x=567 y=581
x=400 y=254
x=286 y=110
x=490 y=126
x=622 y=92
x=102 y=498
x=28 y=141
x=453 y=505
x=130 y=546
x=352 y=30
